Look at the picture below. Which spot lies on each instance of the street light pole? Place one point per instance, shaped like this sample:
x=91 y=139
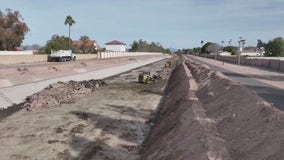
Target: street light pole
x=241 y=45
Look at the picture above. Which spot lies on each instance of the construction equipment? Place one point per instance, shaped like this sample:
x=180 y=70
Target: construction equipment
x=168 y=64
x=145 y=77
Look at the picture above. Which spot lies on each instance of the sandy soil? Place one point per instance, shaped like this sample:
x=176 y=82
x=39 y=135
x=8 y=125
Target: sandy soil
x=108 y=123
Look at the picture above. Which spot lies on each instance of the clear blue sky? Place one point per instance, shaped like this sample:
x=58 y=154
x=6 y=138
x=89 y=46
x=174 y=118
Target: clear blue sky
x=173 y=23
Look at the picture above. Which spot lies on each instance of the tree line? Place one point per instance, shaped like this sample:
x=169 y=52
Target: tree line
x=273 y=48
x=65 y=43
x=144 y=46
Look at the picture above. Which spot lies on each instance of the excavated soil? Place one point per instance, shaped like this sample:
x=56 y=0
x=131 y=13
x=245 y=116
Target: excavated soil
x=204 y=115
x=61 y=92
x=251 y=127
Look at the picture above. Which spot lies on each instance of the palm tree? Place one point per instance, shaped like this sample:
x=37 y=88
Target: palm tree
x=69 y=20
x=84 y=38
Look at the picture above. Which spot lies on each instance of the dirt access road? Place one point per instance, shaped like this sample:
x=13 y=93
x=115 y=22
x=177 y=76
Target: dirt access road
x=107 y=124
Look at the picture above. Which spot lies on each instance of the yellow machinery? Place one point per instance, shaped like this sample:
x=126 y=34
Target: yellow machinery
x=145 y=77
x=168 y=64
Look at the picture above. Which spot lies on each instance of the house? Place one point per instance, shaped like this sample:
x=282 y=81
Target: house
x=89 y=43
x=225 y=53
x=251 y=53
x=116 y=46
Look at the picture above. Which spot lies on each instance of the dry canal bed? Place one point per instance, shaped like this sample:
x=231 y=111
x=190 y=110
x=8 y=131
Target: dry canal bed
x=109 y=123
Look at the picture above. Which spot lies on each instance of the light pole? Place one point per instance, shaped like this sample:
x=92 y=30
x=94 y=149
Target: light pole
x=230 y=41
x=241 y=45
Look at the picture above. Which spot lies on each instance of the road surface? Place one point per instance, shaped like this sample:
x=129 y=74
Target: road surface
x=266 y=84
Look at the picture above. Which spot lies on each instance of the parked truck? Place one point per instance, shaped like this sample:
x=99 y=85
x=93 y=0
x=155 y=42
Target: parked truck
x=61 y=56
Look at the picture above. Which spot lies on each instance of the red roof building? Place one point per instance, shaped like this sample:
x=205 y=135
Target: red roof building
x=89 y=43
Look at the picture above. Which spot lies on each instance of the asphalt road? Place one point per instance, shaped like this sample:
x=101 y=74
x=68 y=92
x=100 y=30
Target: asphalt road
x=268 y=92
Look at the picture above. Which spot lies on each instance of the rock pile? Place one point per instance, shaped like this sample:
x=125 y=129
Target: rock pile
x=62 y=92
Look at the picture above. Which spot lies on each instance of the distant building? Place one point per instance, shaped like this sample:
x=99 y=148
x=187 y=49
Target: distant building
x=251 y=53
x=224 y=53
x=116 y=46
x=89 y=43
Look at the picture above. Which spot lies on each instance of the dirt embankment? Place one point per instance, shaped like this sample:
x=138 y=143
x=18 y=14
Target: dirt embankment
x=213 y=118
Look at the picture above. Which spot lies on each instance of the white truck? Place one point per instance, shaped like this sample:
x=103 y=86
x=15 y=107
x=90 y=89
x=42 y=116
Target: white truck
x=61 y=56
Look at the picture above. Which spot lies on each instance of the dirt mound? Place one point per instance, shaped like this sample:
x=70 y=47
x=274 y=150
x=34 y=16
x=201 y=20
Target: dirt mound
x=62 y=92
x=251 y=127
x=176 y=135
x=218 y=120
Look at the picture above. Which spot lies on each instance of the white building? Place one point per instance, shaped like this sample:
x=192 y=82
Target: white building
x=220 y=53
x=116 y=46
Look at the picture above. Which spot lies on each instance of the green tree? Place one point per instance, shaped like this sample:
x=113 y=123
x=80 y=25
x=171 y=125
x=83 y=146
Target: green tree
x=57 y=43
x=275 y=47
x=12 y=30
x=260 y=44
x=204 y=47
x=84 y=47
x=69 y=21
x=232 y=49
x=87 y=45
x=196 y=50
x=84 y=38
x=213 y=48
x=144 y=46
x=134 y=46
